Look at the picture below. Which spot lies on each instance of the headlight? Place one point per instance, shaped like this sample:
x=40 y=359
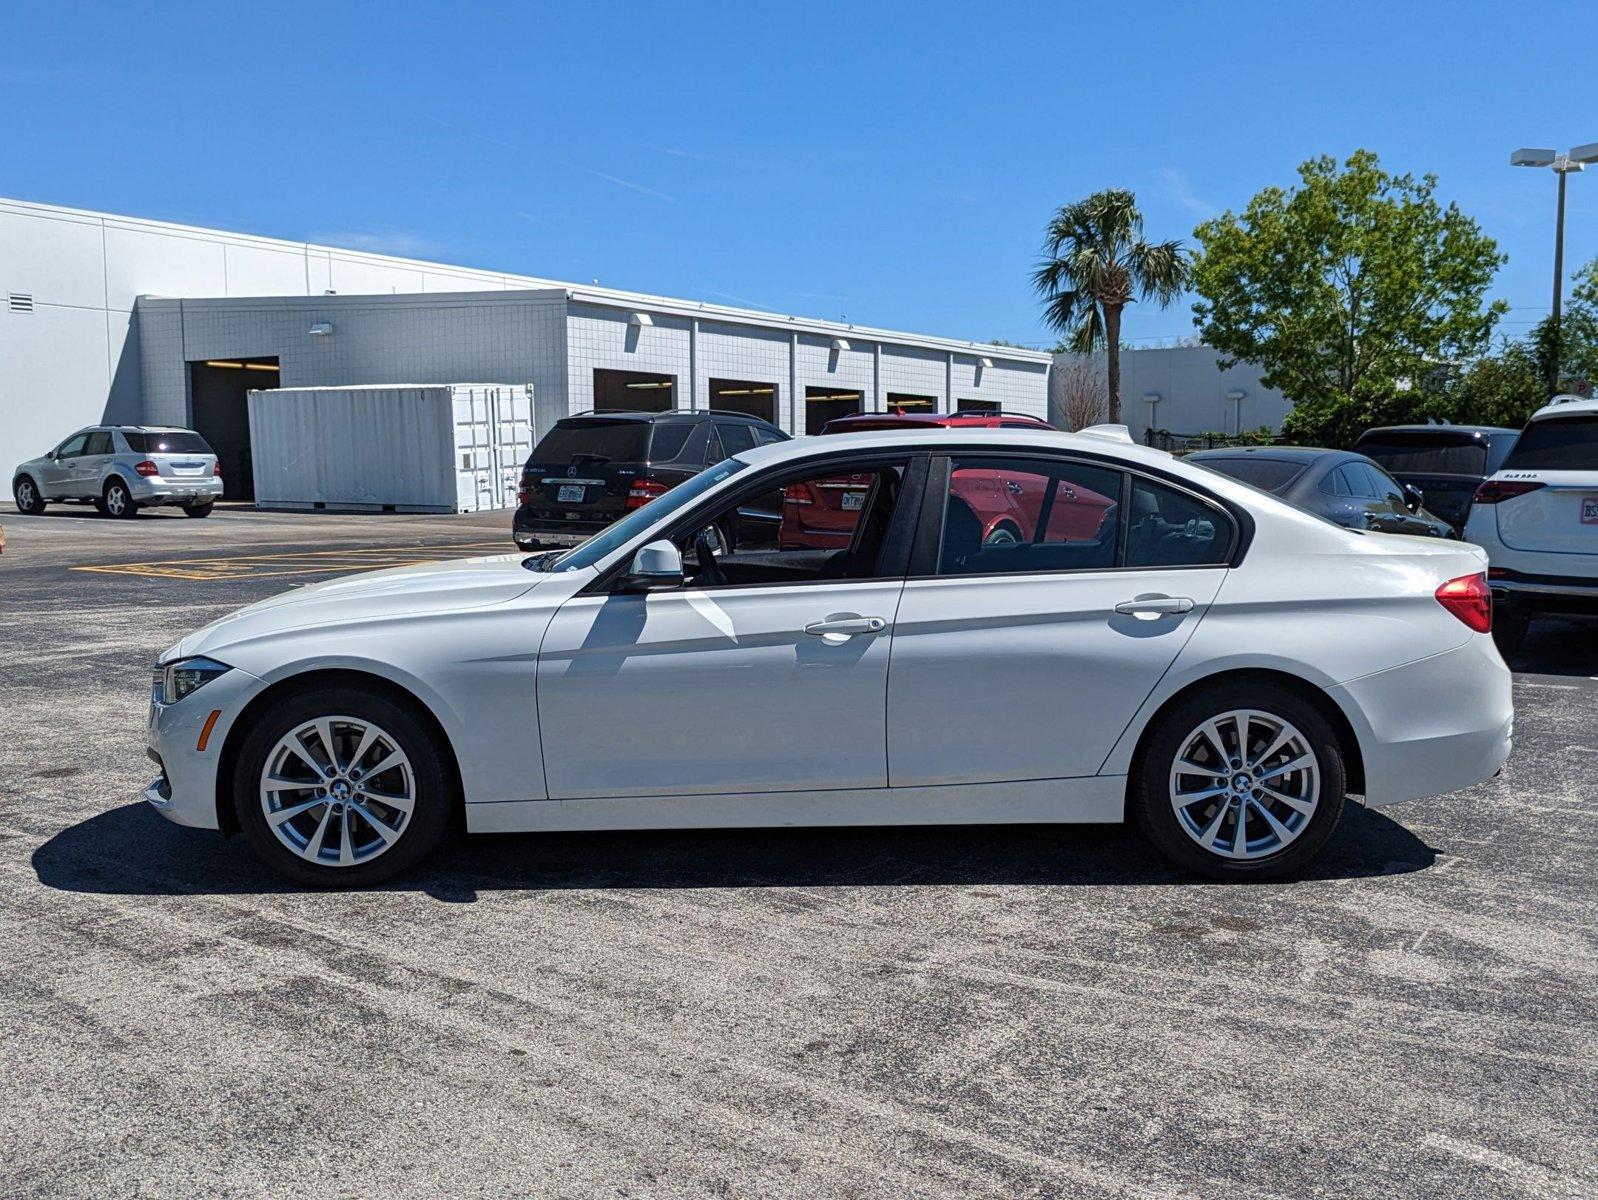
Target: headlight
x=177 y=679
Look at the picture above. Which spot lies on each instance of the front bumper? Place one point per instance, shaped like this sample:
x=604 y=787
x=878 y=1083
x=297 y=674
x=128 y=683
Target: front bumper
x=186 y=790
x=159 y=490
x=1433 y=726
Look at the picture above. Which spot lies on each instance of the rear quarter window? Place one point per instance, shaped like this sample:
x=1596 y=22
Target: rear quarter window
x=1557 y=444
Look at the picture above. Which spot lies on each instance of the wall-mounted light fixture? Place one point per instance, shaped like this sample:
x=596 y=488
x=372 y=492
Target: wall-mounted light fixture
x=322 y=329
x=840 y=344
x=985 y=363
x=641 y=319
x=1236 y=396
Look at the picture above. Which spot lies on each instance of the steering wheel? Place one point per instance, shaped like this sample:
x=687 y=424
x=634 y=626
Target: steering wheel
x=709 y=573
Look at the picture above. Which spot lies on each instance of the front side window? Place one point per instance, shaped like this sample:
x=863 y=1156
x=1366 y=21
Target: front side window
x=735 y=437
x=808 y=527
x=72 y=447
x=1006 y=515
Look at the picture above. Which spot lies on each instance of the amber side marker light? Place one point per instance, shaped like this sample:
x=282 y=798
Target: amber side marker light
x=205 y=731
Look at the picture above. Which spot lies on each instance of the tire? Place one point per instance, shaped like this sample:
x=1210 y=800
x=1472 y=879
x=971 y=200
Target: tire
x=26 y=493
x=372 y=856
x=198 y=510
x=1003 y=534
x=116 y=501
x=1509 y=628
x=1273 y=712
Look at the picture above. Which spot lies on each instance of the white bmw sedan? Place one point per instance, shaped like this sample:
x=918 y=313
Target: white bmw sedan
x=921 y=627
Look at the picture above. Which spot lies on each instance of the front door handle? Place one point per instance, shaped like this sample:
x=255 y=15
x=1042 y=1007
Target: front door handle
x=1154 y=606
x=846 y=627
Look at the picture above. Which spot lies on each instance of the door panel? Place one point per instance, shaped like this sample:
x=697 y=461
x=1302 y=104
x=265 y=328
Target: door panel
x=57 y=477
x=1028 y=676
x=716 y=690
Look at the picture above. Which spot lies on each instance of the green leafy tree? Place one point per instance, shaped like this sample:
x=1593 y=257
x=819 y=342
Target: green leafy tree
x=1578 y=335
x=1096 y=262
x=1349 y=290
x=1499 y=389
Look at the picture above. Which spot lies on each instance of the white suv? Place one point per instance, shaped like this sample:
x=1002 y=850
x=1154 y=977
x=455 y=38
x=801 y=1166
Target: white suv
x=1537 y=518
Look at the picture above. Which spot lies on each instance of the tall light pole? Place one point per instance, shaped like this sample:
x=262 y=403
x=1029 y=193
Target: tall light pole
x=1563 y=165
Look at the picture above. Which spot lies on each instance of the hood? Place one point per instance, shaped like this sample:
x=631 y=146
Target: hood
x=373 y=596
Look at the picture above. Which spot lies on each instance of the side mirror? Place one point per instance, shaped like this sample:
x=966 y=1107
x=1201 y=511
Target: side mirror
x=1413 y=497
x=656 y=567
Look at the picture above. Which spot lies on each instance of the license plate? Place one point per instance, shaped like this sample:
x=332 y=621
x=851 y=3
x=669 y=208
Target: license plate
x=571 y=493
x=854 y=501
x=1589 y=510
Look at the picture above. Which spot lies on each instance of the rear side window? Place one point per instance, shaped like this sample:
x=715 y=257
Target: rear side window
x=1016 y=515
x=99 y=443
x=1170 y=528
x=1269 y=474
x=603 y=441
x=1557 y=444
x=668 y=440
x=1427 y=456
x=174 y=442
x=735 y=438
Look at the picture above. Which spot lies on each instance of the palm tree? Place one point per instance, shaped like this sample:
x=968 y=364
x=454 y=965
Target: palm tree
x=1096 y=262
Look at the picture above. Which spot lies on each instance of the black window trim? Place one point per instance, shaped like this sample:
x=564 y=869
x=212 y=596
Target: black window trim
x=929 y=533
x=895 y=554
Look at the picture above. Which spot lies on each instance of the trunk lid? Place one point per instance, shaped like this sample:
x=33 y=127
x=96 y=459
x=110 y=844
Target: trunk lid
x=1560 y=517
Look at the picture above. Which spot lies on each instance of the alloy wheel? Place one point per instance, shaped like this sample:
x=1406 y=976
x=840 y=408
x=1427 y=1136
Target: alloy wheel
x=116 y=500
x=25 y=496
x=1245 y=784
x=338 y=791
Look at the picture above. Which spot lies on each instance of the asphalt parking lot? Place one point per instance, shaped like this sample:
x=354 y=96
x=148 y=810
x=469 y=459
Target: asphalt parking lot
x=864 y=1013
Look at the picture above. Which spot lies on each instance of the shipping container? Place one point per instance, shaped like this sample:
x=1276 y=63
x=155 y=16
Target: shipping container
x=449 y=447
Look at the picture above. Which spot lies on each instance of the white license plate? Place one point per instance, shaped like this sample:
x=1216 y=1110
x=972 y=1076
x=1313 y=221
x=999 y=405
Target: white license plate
x=1589 y=510
x=571 y=493
x=854 y=501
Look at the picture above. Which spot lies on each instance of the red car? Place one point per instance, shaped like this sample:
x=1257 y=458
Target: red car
x=822 y=515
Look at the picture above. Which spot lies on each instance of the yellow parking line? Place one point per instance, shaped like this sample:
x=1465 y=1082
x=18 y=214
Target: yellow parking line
x=301 y=562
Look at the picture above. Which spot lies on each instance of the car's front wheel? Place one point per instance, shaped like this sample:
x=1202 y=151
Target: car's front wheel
x=341 y=787
x=26 y=493
x=1245 y=781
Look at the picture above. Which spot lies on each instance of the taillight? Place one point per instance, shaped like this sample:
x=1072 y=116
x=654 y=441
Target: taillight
x=217 y=470
x=643 y=491
x=146 y=468
x=1493 y=490
x=798 y=493
x=524 y=491
x=1469 y=599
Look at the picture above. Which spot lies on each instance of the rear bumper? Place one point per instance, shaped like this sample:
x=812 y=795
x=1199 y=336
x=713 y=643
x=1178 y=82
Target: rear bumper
x=148 y=490
x=532 y=532
x=1433 y=726
x=1544 y=593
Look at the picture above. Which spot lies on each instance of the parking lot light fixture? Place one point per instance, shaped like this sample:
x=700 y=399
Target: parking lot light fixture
x=1562 y=165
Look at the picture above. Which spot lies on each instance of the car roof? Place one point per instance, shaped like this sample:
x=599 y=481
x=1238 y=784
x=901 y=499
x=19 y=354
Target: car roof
x=934 y=436
x=674 y=414
x=1472 y=430
x=1566 y=406
x=1298 y=454
x=937 y=420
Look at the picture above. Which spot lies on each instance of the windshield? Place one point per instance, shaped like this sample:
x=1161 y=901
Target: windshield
x=1557 y=444
x=1420 y=454
x=1267 y=474
x=640 y=519
x=612 y=441
x=167 y=442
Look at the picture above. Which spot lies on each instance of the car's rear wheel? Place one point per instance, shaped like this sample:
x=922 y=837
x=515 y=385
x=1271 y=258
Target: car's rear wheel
x=1245 y=781
x=341 y=787
x=1004 y=533
x=26 y=493
x=116 y=502
x=198 y=510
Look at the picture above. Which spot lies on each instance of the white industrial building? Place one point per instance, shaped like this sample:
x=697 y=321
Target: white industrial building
x=1184 y=390
x=117 y=319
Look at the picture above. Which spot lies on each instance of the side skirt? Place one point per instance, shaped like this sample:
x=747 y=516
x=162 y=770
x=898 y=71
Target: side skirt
x=1091 y=799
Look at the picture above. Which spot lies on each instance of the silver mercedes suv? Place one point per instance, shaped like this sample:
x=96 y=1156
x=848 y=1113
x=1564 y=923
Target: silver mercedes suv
x=121 y=469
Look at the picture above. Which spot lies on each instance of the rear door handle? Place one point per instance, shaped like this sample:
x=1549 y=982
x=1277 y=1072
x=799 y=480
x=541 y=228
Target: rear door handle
x=846 y=627
x=1154 y=605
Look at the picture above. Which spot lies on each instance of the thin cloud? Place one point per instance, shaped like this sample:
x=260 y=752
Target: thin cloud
x=1178 y=188
x=383 y=241
x=695 y=155
x=628 y=183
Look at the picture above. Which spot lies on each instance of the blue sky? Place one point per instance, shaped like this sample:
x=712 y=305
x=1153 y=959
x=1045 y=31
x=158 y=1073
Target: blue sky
x=884 y=163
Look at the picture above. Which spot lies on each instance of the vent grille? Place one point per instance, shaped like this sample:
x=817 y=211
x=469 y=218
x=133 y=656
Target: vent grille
x=19 y=301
